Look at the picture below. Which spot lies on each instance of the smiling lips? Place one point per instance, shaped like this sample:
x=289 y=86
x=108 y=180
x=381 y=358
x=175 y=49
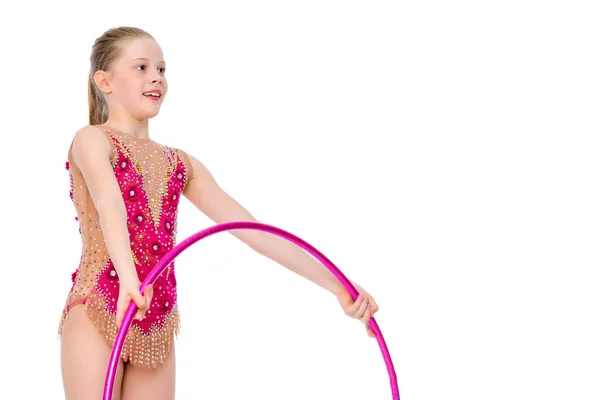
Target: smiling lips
x=153 y=95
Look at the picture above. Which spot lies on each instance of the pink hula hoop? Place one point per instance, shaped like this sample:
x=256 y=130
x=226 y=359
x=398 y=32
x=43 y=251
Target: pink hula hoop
x=237 y=225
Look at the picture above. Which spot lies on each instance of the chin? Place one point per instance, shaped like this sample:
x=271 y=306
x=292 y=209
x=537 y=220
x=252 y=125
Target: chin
x=145 y=114
x=152 y=115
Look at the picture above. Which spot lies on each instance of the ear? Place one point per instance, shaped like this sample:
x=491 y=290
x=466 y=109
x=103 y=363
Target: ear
x=102 y=80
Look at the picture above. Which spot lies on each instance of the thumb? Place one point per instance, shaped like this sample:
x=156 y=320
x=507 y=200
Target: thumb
x=344 y=297
x=370 y=331
x=149 y=291
x=138 y=299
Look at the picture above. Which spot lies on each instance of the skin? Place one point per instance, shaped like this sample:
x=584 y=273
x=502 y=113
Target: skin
x=141 y=68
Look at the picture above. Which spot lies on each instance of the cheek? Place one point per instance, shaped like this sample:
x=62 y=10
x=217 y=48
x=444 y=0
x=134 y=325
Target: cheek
x=130 y=90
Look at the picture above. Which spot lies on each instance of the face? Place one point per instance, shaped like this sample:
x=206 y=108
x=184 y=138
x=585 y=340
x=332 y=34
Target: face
x=136 y=85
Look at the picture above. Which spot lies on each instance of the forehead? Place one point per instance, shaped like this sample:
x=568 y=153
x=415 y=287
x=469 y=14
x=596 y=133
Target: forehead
x=141 y=48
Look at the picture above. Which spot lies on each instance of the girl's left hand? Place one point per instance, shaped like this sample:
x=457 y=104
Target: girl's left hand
x=362 y=309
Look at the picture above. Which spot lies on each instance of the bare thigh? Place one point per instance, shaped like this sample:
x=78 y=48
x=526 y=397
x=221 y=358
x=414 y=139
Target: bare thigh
x=150 y=383
x=84 y=358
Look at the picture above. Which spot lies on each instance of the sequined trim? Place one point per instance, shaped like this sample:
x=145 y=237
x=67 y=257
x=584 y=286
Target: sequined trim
x=140 y=349
x=185 y=162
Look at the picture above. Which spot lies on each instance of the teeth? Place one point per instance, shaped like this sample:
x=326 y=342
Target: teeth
x=152 y=94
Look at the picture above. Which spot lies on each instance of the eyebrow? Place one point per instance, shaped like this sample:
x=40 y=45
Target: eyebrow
x=144 y=58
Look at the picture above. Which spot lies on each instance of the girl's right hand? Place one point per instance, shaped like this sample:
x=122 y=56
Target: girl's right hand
x=130 y=290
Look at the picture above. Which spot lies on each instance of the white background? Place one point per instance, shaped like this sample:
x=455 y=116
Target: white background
x=443 y=154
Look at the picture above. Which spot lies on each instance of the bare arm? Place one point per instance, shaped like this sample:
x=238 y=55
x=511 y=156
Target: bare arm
x=91 y=152
x=204 y=192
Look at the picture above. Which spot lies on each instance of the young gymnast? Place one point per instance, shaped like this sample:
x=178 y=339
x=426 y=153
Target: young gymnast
x=126 y=189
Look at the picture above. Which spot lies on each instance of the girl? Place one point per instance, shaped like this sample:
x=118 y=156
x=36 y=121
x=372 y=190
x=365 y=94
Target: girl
x=126 y=189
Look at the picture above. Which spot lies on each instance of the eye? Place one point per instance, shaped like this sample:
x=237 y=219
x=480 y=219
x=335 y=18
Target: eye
x=162 y=70
x=140 y=66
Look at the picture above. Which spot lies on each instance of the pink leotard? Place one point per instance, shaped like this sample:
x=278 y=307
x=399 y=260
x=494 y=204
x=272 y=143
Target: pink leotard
x=152 y=178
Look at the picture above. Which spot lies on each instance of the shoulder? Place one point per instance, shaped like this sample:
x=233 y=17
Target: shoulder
x=89 y=140
x=91 y=133
x=193 y=162
x=187 y=161
x=196 y=170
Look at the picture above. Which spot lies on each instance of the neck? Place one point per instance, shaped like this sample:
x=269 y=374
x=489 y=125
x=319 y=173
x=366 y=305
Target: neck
x=137 y=129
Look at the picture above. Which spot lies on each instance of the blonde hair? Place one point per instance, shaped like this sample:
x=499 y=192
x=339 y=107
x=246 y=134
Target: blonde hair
x=105 y=51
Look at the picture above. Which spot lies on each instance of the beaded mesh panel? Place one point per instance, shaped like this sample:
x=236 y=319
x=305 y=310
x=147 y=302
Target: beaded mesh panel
x=155 y=163
x=152 y=178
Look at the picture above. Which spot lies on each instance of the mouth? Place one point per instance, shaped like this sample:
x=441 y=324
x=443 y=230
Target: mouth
x=153 y=95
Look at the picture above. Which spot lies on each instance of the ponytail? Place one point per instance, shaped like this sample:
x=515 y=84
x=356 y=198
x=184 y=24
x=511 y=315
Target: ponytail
x=97 y=105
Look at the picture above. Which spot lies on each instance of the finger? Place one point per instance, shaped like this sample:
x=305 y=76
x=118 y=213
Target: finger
x=149 y=291
x=361 y=311
x=372 y=311
x=148 y=298
x=365 y=318
x=148 y=294
x=140 y=314
x=139 y=300
x=147 y=306
x=374 y=306
x=350 y=306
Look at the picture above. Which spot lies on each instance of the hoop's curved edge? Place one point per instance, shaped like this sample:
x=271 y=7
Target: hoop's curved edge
x=239 y=225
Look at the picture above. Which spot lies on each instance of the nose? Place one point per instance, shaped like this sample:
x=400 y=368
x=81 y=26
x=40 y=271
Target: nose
x=157 y=78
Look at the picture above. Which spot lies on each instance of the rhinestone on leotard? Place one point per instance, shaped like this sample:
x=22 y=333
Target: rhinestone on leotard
x=151 y=177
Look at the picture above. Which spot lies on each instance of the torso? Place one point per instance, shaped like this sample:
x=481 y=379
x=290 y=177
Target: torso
x=152 y=178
